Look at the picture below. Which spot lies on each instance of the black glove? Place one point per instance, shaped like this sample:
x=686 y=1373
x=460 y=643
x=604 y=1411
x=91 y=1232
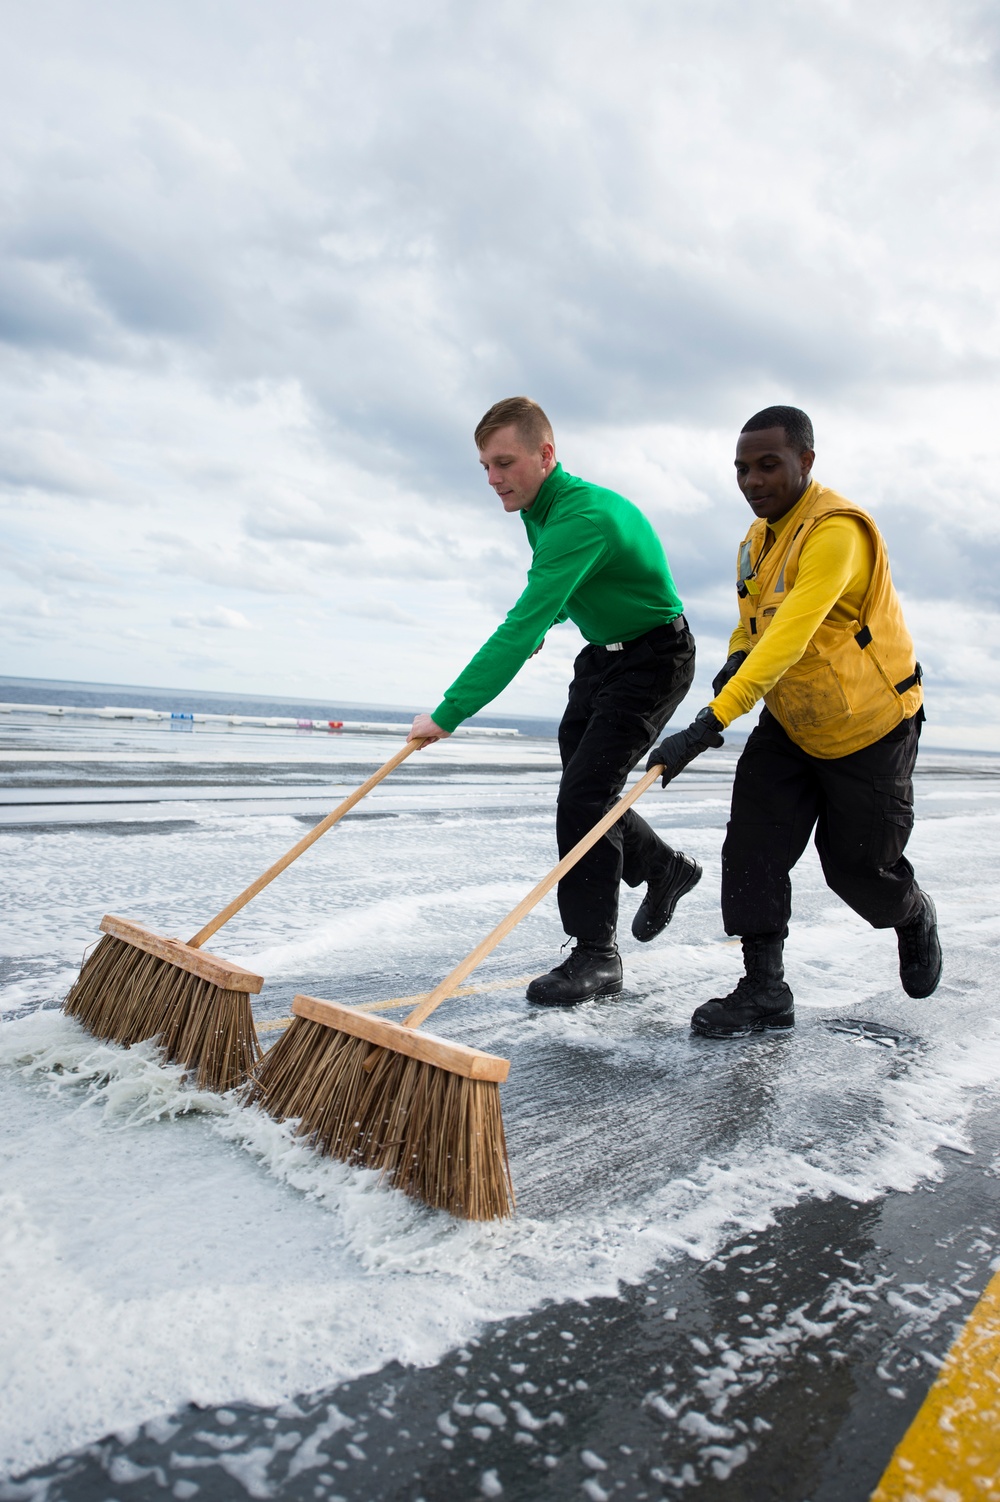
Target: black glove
x=676 y=751
x=734 y=662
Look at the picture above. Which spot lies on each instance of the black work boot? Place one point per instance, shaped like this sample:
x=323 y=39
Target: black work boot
x=761 y=999
x=663 y=892
x=590 y=970
x=920 y=951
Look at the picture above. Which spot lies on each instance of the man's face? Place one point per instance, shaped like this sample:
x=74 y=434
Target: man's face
x=513 y=469
x=771 y=474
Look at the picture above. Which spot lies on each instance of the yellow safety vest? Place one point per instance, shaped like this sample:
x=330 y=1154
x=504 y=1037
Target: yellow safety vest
x=856 y=680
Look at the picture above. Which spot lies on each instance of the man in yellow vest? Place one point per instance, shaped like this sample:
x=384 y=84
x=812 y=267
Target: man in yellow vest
x=822 y=640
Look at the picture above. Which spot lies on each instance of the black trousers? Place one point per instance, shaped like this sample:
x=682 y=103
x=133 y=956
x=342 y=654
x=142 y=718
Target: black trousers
x=618 y=704
x=861 y=807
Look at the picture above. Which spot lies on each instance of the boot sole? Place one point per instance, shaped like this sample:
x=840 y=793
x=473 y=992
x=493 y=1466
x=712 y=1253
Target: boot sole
x=777 y=1022
x=693 y=880
x=614 y=988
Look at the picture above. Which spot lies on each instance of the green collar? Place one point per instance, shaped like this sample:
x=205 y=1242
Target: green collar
x=542 y=504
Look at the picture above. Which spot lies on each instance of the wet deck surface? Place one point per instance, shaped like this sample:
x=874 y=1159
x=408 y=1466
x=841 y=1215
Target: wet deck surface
x=816 y=1339
x=736 y=1267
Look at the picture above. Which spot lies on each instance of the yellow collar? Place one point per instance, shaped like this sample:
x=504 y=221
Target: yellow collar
x=784 y=521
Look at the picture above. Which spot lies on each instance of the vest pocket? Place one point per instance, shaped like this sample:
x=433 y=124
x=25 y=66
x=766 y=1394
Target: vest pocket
x=809 y=698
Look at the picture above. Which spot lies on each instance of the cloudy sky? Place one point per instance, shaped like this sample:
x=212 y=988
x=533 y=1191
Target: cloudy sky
x=265 y=264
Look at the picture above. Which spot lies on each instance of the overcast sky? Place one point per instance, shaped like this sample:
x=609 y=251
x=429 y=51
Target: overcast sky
x=264 y=265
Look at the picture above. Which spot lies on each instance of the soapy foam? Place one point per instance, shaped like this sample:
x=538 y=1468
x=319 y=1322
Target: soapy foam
x=161 y=1245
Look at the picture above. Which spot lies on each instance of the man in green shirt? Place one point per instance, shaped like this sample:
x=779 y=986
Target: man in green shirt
x=596 y=561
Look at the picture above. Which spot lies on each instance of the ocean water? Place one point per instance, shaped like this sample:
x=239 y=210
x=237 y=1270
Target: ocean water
x=160 y=1246
x=204 y=701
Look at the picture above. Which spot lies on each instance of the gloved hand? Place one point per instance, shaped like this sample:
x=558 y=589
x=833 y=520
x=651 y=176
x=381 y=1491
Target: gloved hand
x=676 y=751
x=734 y=662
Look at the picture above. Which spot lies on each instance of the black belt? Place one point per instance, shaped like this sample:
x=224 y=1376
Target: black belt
x=863 y=638
x=670 y=628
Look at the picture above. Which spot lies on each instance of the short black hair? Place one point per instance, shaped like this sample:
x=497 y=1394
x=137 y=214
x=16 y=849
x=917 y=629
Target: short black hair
x=798 y=428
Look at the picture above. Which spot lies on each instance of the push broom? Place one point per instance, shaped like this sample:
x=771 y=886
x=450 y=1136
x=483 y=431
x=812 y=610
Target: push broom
x=380 y=1094
x=137 y=984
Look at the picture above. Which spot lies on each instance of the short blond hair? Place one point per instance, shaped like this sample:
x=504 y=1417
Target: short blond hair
x=519 y=412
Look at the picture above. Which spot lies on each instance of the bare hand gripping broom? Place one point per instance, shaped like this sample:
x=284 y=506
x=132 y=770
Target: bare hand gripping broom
x=137 y=984
x=379 y=1094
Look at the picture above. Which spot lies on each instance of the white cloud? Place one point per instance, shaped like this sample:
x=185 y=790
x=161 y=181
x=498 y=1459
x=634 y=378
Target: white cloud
x=261 y=270
x=219 y=618
x=382 y=610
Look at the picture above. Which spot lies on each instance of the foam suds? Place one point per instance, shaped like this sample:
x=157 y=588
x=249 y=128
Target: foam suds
x=161 y=1245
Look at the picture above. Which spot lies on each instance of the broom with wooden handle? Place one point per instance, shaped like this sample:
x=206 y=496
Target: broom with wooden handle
x=422 y=1110
x=137 y=984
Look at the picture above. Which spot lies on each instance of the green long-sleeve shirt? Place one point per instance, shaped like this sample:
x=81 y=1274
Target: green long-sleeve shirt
x=596 y=561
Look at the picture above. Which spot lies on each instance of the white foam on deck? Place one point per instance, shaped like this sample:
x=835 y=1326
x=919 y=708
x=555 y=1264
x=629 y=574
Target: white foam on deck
x=160 y=1246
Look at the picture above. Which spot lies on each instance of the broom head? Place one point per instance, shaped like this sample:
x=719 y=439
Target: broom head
x=422 y=1110
x=137 y=984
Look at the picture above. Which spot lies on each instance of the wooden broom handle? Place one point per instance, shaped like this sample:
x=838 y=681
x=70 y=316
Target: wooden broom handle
x=454 y=980
x=303 y=844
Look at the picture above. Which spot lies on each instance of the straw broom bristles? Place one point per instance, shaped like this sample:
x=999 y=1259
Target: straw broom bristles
x=138 y=984
x=124 y=994
x=436 y=1135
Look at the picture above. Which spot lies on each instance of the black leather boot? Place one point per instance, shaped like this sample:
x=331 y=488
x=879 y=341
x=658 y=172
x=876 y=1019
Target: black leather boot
x=663 y=892
x=590 y=970
x=761 y=999
x=920 y=951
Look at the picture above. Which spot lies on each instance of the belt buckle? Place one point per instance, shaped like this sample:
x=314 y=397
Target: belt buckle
x=615 y=646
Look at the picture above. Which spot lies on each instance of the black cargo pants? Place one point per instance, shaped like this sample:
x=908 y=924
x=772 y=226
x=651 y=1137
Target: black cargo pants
x=618 y=704
x=861 y=807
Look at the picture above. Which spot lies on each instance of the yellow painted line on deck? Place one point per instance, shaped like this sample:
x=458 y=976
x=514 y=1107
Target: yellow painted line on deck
x=951 y=1451
x=408 y=1001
